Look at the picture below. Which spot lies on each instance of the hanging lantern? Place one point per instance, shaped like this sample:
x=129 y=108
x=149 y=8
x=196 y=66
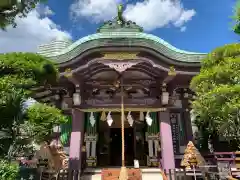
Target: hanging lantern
x=109 y=119
x=76 y=99
x=130 y=119
x=148 y=119
x=92 y=119
x=165 y=98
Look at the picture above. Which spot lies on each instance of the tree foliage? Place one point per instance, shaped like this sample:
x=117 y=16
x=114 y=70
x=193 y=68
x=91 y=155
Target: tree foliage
x=8 y=171
x=19 y=73
x=10 y=9
x=236 y=17
x=217 y=87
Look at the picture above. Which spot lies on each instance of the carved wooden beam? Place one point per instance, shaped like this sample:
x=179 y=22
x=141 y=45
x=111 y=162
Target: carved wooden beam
x=120 y=55
x=171 y=75
x=120 y=66
x=71 y=76
x=128 y=83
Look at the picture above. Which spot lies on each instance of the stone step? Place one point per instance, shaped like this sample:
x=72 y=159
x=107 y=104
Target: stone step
x=147 y=173
x=91 y=177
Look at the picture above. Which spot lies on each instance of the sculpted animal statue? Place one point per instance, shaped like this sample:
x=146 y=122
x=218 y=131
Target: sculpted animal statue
x=54 y=154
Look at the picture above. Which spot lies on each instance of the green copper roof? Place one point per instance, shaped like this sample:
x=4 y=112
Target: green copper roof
x=121 y=38
x=118 y=32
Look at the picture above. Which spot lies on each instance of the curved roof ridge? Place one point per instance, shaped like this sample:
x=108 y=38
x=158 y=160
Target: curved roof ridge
x=135 y=35
x=121 y=38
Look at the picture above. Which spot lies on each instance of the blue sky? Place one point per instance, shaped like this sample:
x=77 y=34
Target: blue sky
x=193 y=25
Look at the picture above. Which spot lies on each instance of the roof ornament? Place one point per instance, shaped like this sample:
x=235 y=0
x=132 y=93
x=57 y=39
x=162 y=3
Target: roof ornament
x=119 y=23
x=120 y=19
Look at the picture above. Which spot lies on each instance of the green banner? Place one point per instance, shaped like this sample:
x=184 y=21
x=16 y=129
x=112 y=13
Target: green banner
x=66 y=131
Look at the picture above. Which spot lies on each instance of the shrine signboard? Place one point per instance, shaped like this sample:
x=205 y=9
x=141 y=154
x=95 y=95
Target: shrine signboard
x=175 y=132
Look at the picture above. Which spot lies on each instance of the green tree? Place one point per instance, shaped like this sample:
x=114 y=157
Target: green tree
x=19 y=73
x=10 y=9
x=236 y=17
x=217 y=88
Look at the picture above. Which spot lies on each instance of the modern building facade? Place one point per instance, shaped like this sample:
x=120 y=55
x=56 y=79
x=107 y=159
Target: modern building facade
x=121 y=62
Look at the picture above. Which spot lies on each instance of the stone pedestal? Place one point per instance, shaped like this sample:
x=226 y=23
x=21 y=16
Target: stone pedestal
x=76 y=139
x=168 y=161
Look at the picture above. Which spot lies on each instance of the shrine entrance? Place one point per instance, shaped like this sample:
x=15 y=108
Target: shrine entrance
x=103 y=139
x=115 y=146
x=109 y=150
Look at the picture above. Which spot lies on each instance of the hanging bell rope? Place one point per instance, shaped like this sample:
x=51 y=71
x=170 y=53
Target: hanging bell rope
x=123 y=172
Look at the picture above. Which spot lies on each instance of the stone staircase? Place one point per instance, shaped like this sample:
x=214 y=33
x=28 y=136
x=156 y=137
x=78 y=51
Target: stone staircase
x=147 y=173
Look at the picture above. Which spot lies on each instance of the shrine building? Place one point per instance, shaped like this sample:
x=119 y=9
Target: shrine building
x=121 y=62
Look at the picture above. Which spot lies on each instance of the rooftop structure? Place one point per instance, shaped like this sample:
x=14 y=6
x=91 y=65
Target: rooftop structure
x=152 y=77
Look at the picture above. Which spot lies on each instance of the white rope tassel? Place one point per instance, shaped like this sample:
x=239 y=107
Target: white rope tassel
x=109 y=118
x=130 y=119
x=92 y=119
x=148 y=119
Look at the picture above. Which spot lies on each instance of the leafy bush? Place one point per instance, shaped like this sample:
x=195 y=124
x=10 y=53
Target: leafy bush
x=19 y=73
x=217 y=88
x=8 y=171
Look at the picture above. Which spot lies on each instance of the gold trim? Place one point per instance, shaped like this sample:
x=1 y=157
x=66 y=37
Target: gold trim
x=125 y=109
x=68 y=73
x=120 y=55
x=172 y=71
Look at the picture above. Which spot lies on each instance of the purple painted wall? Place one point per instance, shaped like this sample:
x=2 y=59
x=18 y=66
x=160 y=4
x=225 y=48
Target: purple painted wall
x=76 y=139
x=168 y=161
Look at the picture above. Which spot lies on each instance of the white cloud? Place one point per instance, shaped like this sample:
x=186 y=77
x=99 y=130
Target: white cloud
x=44 y=10
x=183 y=29
x=30 y=33
x=97 y=10
x=150 y=14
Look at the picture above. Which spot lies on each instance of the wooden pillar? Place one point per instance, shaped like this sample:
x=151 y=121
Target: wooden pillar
x=187 y=118
x=76 y=139
x=168 y=161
